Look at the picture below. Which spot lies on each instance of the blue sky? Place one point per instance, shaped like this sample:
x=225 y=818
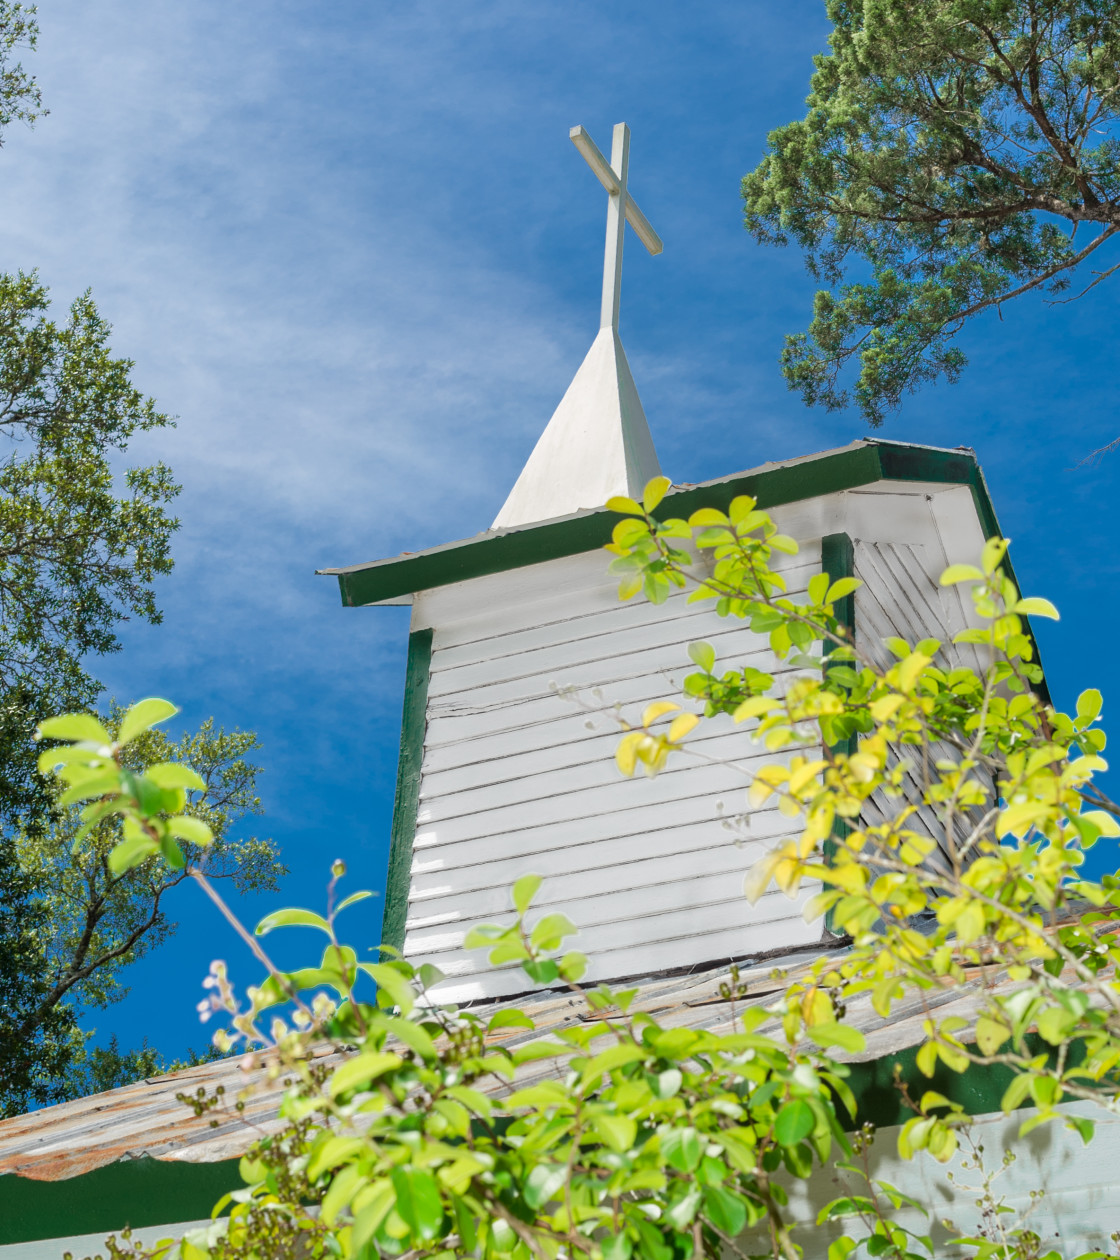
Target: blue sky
x=353 y=250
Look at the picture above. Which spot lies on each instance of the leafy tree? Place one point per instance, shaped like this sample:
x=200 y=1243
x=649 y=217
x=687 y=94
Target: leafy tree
x=91 y=922
x=955 y=155
x=20 y=99
x=75 y=560
x=640 y=1140
x=109 y=1067
x=77 y=557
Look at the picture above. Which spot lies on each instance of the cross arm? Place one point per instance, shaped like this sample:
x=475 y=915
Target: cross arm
x=610 y=182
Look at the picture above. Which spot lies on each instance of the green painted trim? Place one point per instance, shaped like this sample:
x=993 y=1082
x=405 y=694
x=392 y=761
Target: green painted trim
x=136 y=1192
x=838 y=559
x=978 y=1089
x=407 y=800
x=857 y=465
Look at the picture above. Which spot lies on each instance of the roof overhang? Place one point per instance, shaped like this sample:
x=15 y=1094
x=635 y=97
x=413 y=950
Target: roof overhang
x=862 y=463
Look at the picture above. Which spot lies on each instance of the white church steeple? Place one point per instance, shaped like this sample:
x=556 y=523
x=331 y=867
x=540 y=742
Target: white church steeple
x=597 y=443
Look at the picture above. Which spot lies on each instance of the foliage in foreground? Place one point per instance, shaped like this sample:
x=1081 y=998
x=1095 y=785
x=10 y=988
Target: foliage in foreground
x=91 y=923
x=955 y=155
x=619 y=1137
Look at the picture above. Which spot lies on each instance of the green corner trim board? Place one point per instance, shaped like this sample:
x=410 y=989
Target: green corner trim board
x=838 y=560
x=860 y=464
x=407 y=799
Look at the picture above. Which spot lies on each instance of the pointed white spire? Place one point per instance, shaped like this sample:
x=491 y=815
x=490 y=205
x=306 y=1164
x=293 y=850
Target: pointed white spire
x=597 y=443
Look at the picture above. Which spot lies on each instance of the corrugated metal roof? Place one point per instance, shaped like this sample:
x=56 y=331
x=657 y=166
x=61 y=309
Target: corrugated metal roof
x=150 y=1118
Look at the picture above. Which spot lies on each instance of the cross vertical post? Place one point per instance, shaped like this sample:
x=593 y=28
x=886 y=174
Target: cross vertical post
x=621 y=209
x=616 y=229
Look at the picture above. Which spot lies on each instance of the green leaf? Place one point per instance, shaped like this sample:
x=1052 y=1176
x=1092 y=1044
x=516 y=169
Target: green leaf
x=703 y=654
x=794 y=1122
x=681 y=1213
x=617 y=1247
x=627 y=507
x=195 y=831
x=1035 y=606
x=840 y=1248
x=412 y=1035
x=428 y=975
x=328 y=1152
x=173 y=774
x=1089 y=705
x=172 y=854
x=616 y=1132
x=961 y=573
x=292 y=918
x=96 y=786
x=703 y=517
x=512 y=1018
x=542 y=971
x=543 y=1183
x=726 y=1211
x=842 y=1035
x=142 y=716
x=654 y=492
x=418 y=1202
x=549 y=933
x=389 y=979
x=353 y=899
x=524 y=891
x=681 y=1149
x=573 y=965
x=359 y=1071
x=131 y=853
x=1083 y=1125
x=74 y=726
x=841 y=587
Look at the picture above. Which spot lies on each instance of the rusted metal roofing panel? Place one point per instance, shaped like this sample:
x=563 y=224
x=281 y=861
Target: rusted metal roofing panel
x=151 y=1118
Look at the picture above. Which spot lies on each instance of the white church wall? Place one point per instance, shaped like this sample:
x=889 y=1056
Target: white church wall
x=514 y=781
x=1077 y=1212
x=518 y=778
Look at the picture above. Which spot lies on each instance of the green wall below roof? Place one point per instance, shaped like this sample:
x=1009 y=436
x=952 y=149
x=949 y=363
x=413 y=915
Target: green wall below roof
x=134 y=1192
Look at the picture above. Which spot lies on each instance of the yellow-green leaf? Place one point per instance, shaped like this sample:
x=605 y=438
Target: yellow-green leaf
x=961 y=573
x=620 y=503
x=360 y=1070
x=654 y=492
x=142 y=716
x=1035 y=606
x=193 y=830
x=74 y=726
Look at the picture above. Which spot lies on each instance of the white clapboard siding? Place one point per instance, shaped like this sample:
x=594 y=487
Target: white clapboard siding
x=568 y=837
x=530 y=670
x=513 y=781
x=1076 y=1213
x=902 y=596
x=712 y=932
x=672 y=860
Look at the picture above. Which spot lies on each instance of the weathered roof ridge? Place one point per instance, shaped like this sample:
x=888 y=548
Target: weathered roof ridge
x=862 y=462
x=148 y=1119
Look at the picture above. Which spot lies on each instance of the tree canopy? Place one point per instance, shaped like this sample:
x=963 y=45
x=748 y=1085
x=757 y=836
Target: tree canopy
x=955 y=155
x=86 y=923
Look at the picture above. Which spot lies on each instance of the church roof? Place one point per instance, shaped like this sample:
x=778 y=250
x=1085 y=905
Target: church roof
x=153 y=1119
x=862 y=463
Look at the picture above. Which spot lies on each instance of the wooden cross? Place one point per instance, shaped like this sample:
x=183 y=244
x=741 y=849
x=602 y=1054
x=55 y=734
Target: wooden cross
x=621 y=209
